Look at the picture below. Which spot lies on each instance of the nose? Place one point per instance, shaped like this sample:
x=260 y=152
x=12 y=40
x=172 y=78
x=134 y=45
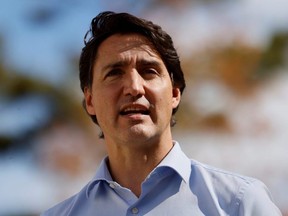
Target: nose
x=133 y=84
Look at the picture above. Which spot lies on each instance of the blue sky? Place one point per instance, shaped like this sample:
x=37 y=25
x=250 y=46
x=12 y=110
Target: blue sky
x=42 y=49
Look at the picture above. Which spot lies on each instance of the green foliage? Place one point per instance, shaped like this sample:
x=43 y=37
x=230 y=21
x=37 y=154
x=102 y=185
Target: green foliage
x=275 y=55
x=66 y=107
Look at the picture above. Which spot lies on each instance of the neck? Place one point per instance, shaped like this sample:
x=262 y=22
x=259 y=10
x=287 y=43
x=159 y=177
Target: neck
x=130 y=166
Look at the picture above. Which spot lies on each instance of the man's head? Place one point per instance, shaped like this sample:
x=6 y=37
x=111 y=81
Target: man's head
x=107 y=24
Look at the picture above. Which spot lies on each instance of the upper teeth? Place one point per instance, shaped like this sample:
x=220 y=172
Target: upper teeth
x=133 y=109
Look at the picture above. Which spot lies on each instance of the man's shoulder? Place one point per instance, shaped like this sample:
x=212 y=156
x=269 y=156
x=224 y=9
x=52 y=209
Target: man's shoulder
x=215 y=171
x=76 y=201
x=235 y=191
x=221 y=178
x=63 y=208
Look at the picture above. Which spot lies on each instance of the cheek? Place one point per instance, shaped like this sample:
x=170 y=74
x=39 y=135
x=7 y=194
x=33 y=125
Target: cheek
x=105 y=102
x=165 y=94
x=103 y=111
x=164 y=100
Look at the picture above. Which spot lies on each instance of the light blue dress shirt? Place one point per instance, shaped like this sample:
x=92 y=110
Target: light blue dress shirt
x=178 y=186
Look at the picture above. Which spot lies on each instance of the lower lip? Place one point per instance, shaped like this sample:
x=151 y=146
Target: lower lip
x=134 y=116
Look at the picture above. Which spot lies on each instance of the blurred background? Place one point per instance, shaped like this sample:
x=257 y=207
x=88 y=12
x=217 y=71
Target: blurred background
x=233 y=114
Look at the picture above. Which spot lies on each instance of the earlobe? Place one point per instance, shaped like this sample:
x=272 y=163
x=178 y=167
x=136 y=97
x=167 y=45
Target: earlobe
x=88 y=101
x=176 y=97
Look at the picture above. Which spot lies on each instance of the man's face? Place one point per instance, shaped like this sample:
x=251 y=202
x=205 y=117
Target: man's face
x=132 y=93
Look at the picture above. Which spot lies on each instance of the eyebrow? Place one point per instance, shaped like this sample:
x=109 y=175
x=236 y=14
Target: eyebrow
x=115 y=65
x=149 y=63
x=142 y=62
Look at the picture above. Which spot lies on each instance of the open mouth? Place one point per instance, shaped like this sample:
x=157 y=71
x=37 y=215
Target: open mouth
x=135 y=109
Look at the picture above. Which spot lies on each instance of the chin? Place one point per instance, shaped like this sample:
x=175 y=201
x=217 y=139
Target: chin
x=140 y=132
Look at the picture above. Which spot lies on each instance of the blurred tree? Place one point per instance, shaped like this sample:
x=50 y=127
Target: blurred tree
x=239 y=67
x=275 y=56
x=66 y=107
x=235 y=66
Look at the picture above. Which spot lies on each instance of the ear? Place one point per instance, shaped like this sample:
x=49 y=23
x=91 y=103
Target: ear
x=176 y=97
x=89 y=101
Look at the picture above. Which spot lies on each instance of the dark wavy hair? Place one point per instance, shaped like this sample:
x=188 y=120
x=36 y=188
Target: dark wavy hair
x=109 y=23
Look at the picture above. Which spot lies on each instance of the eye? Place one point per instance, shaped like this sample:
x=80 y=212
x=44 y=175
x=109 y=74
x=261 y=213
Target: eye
x=114 y=73
x=149 y=73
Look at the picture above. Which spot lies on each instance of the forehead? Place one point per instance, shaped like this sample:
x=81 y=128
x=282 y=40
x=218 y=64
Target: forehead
x=119 y=44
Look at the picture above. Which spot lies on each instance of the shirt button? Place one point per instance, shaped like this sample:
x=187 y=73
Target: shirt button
x=135 y=210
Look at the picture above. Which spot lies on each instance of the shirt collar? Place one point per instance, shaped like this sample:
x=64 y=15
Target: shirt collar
x=103 y=171
x=178 y=161
x=175 y=159
x=102 y=174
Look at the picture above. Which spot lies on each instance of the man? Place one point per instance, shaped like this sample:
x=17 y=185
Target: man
x=132 y=82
